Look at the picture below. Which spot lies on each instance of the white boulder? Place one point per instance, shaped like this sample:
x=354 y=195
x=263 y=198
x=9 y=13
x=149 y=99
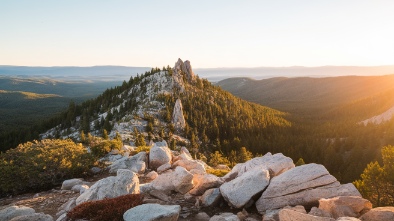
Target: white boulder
x=68 y=184
x=203 y=182
x=152 y=175
x=241 y=190
x=190 y=165
x=159 y=154
x=153 y=212
x=211 y=197
x=225 y=217
x=342 y=206
x=135 y=163
x=302 y=185
x=164 y=167
x=33 y=217
x=379 y=213
x=123 y=183
x=292 y=215
x=179 y=180
x=15 y=211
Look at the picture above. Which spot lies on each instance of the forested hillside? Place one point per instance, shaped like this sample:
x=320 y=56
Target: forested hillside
x=326 y=115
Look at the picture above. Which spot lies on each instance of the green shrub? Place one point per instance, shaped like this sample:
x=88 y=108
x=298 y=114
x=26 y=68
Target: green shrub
x=42 y=164
x=102 y=148
x=217 y=172
x=107 y=209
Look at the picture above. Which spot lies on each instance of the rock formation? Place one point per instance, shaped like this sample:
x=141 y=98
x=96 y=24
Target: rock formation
x=178 y=120
x=159 y=154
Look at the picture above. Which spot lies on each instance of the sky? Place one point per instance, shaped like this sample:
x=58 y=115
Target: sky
x=209 y=33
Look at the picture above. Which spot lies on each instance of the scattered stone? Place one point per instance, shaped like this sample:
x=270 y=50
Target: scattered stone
x=273 y=215
x=152 y=175
x=179 y=180
x=379 y=213
x=160 y=195
x=159 y=154
x=211 y=197
x=67 y=206
x=15 y=211
x=135 y=163
x=33 y=217
x=222 y=167
x=164 y=168
x=291 y=215
x=95 y=170
x=79 y=188
x=124 y=182
x=225 y=217
x=342 y=206
x=347 y=219
x=241 y=190
x=190 y=165
x=202 y=216
x=68 y=184
x=318 y=212
x=153 y=212
x=203 y=182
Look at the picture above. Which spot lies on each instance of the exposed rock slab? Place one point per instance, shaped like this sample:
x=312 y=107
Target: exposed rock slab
x=239 y=192
x=15 y=211
x=152 y=212
x=159 y=154
x=276 y=164
x=292 y=215
x=379 y=213
x=123 y=183
x=178 y=120
x=342 y=206
x=302 y=185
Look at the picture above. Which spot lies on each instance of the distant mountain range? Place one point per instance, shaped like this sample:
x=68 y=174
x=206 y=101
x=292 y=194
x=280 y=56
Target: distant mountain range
x=110 y=73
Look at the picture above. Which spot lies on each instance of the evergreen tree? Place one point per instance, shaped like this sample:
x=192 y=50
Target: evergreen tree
x=105 y=134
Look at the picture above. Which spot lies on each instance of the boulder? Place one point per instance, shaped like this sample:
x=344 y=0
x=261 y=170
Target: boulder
x=241 y=190
x=14 y=211
x=276 y=164
x=123 y=183
x=164 y=167
x=318 y=212
x=95 y=170
x=211 y=197
x=68 y=184
x=342 y=206
x=273 y=215
x=185 y=154
x=379 y=213
x=203 y=182
x=153 y=212
x=302 y=185
x=67 y=206
x=179 y=180
x=152 y=175
x=135 y=163
x=201 y=216
x=225 y=217
x=80 y=188
x=160 y=195
x=292 y=215
x=222 y=167
x=33 y=217
x=190 y=165
x=159 y=154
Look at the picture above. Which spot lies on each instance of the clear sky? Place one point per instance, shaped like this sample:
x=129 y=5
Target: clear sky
x=209 y=33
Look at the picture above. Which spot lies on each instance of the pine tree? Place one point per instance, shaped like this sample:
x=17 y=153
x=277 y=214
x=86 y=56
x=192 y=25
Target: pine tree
x=105 y=134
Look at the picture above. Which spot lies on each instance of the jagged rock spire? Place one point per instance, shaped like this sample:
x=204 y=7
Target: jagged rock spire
x=181 y=70
x=178 y=120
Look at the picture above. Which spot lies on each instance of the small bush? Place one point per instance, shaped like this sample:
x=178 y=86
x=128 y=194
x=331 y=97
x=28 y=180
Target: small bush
x=217 y=172
x=107 y=209
x=143 y=148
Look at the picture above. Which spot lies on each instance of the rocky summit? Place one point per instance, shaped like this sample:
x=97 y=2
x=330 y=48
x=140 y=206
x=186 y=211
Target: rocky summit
x=183 y=192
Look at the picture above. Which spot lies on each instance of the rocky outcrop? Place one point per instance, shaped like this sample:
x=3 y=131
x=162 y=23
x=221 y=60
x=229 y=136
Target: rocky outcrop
x=276 y=164
x=135 y=163
x=153 y=212
x=178 y=120
x=342 y=206
x=379 y=213
x=159 y=154
x=292 y=215
x=241 y=190
x=123 y=183
x=182 y=70
x=68 y=184
x=179 y=180
x=15 y=211
x=302 y=185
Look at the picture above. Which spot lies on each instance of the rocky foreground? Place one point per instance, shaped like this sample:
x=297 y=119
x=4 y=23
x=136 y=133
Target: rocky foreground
x=177 y=187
